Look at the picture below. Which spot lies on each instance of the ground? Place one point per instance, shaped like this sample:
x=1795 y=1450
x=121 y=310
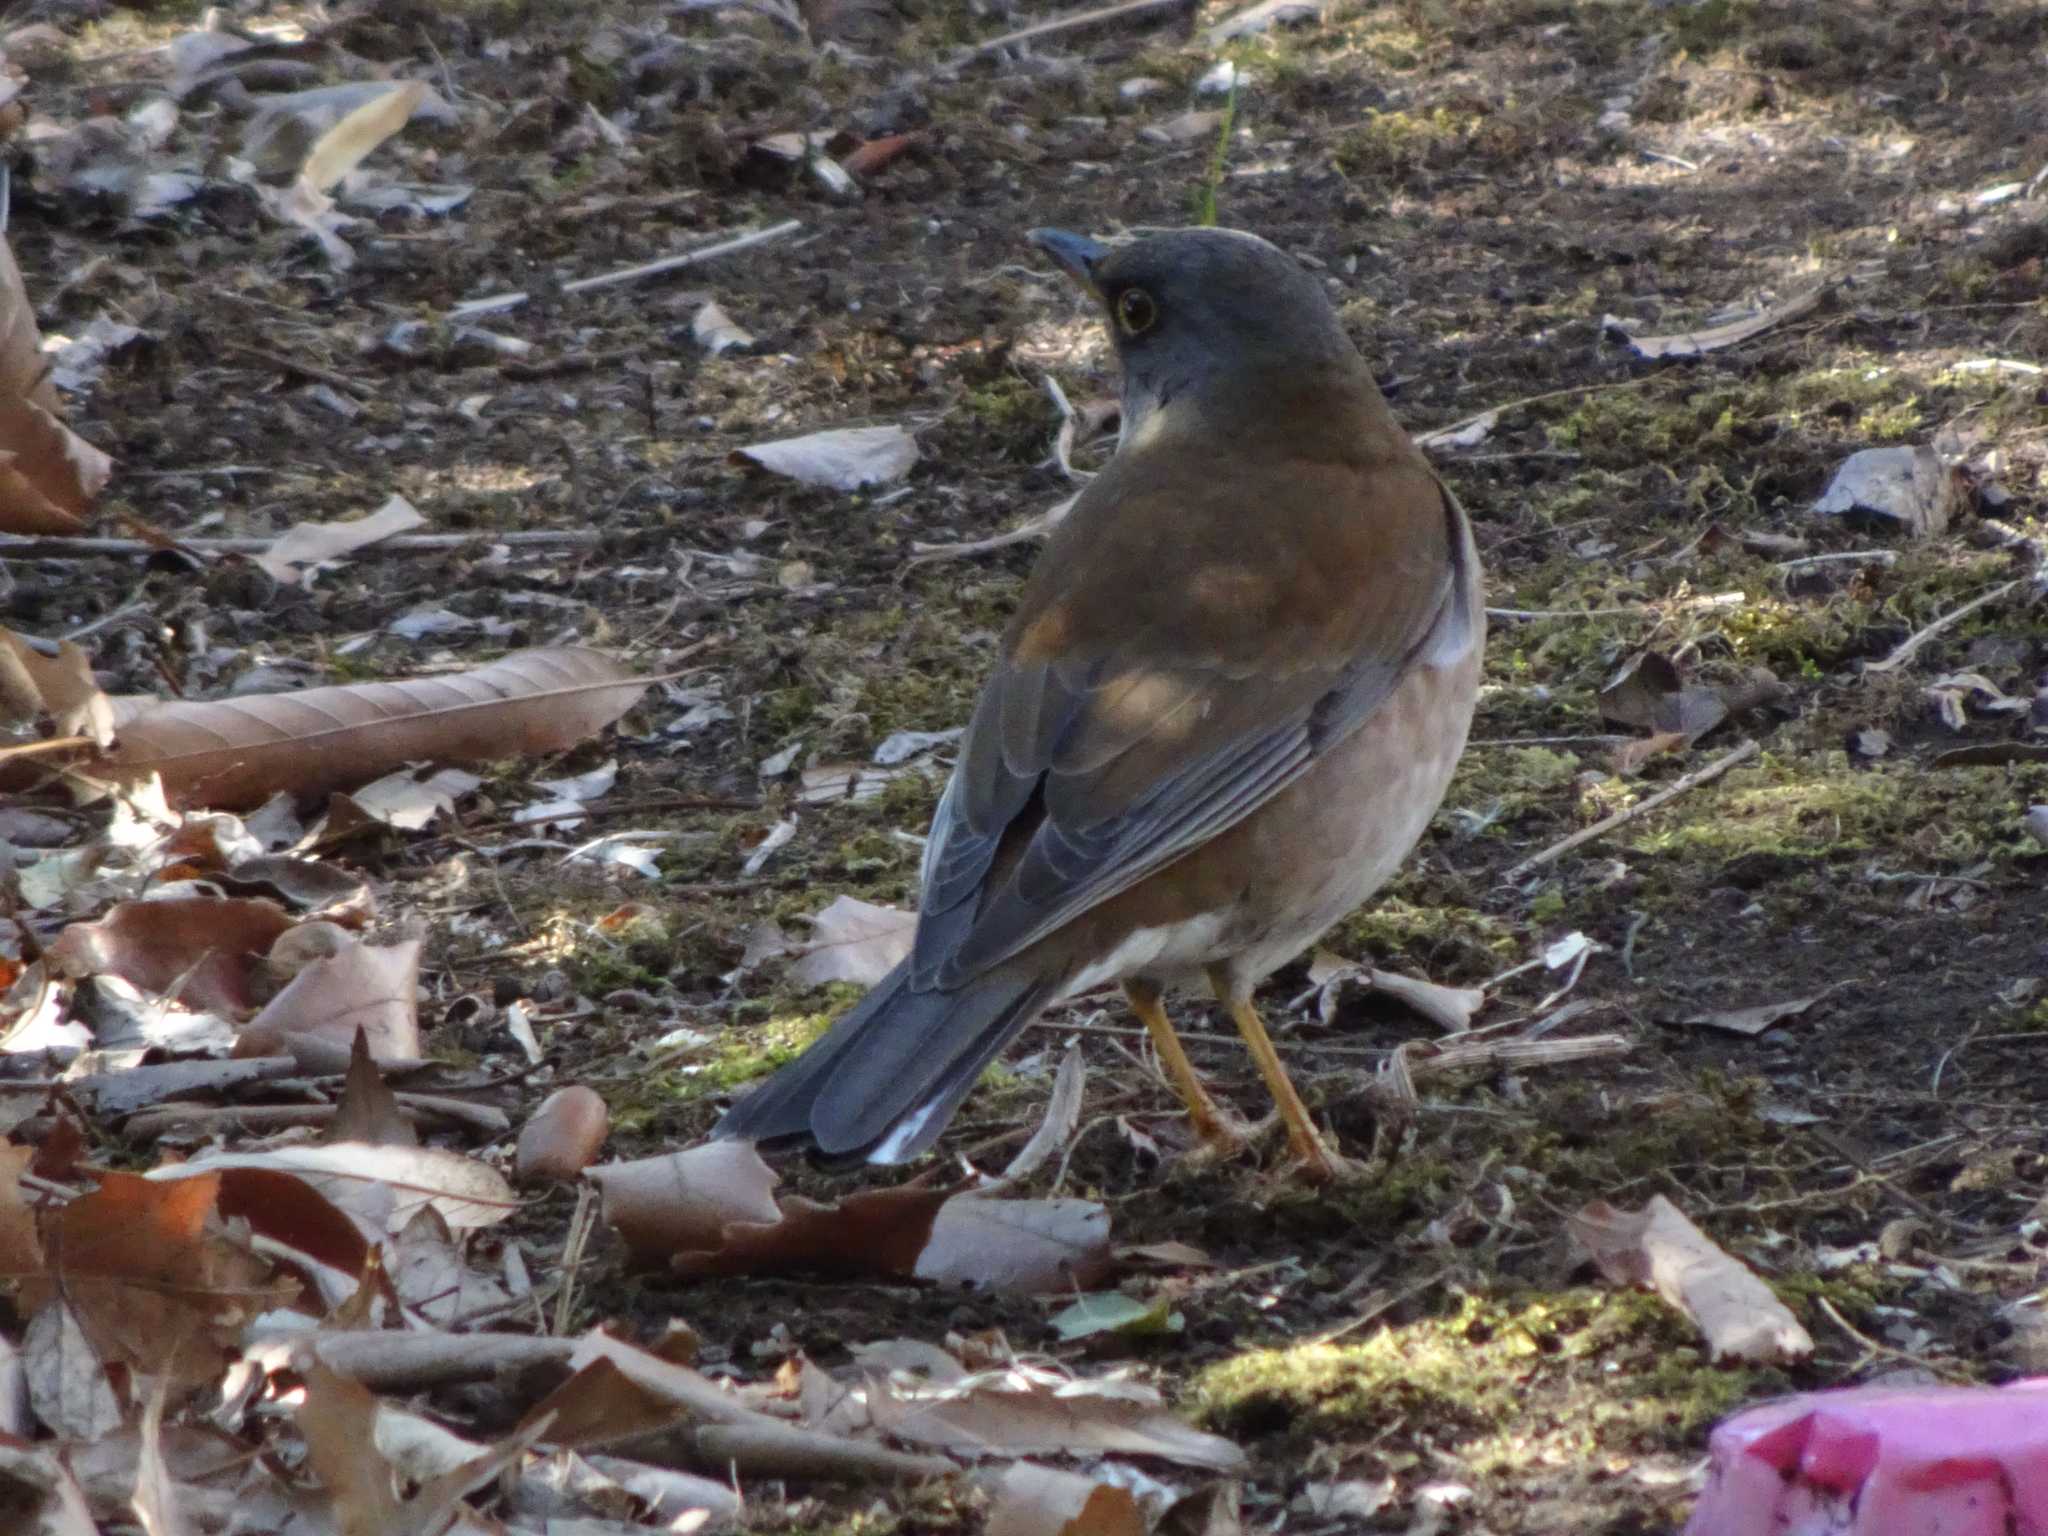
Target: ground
x=1482 y=181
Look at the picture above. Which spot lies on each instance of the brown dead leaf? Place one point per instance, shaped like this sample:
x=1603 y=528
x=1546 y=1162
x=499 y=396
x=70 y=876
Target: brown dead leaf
x=682 y=1202
x=235 y=753
x=380 y=1187
x=1658 y=1248
x=854 y=940
x=61 y=688
x=203 y=951
x=368 y=1111
x=24 y=372
x=1041 y=1501
x=152 y=1285
x=371 y=988
x=49 y=475
x=711 y=1210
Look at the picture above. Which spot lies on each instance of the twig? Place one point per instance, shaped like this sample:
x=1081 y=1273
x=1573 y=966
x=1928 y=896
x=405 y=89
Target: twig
x=1514 y=615
x=499 y=302
x=72 y=547
x=1858 y=556
x=1142 y=11
x=1547 y=741
x=1641 y=808
x=313 y=371
x=1912 y=643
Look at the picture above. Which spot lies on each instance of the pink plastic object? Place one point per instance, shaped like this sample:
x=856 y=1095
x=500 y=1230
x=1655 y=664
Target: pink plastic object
x=1883 y=1461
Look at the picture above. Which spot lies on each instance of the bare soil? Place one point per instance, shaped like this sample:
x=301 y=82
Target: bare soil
x=1444 y=163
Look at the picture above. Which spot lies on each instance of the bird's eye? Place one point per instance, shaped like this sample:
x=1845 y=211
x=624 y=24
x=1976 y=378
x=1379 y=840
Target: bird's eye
x=1135 y=311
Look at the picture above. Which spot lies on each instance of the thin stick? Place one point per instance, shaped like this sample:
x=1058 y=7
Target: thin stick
x=1913 y=642
x=65 y=547
x=1641 y=808
x=1088 y=21
x=499 y=302
x=1858 y=556
x=1514 y=615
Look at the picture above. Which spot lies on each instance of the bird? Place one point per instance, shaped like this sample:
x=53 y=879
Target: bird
x=1227 y=706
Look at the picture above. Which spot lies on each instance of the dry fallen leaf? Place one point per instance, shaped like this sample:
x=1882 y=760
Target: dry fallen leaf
x=303 y=550
x=380 y=1186
x=234 y=753
x=1757 y=1018
x=854 y=940
x=1659 y=1248
x=711 y=1210
x=368 y=988
x=48 y=474
x=846 y=459
x=204 y=951
x=1041 y=1501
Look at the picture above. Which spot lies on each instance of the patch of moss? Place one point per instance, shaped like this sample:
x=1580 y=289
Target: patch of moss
x=1496 y=1380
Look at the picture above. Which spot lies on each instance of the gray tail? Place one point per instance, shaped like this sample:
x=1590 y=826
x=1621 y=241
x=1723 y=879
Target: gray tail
x=884 y=1081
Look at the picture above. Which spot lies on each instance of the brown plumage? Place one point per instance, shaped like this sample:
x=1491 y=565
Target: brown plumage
x=1231 y=697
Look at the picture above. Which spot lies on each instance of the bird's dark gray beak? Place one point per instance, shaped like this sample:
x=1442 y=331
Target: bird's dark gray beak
x=1077 y=254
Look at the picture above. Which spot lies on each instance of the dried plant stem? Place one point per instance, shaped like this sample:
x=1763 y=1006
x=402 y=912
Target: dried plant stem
x=1641 y=808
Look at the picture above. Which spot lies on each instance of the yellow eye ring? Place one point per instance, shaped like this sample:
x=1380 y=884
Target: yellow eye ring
x=1135 y=311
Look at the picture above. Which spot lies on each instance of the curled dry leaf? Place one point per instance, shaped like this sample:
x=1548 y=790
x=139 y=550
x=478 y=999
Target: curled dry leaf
x=1657 y=1247
x=1040 y=1501
x=204 y=951
x=845 y=459
x=235 y=753
x=711 y=1210
x=563 y=1136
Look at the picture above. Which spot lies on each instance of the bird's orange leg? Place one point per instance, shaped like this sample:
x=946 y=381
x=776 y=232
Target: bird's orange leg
x=1217 y=1129
x=1315 y=1159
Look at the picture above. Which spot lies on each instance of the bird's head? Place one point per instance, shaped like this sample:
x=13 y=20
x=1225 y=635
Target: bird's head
x=1210 y=313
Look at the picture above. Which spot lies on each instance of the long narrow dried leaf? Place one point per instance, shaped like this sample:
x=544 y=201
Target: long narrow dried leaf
x=235 y=753
x=343 y=147
x=466 y=1193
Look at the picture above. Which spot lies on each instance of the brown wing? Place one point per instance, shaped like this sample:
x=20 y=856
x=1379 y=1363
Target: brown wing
x=1156 y=689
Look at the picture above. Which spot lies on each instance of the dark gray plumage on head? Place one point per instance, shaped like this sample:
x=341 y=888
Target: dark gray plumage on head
x=1192 y=306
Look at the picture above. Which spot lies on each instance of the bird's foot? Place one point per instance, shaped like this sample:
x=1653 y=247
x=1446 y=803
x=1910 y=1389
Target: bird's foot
x=1219 y=1135
x=1313 y=1160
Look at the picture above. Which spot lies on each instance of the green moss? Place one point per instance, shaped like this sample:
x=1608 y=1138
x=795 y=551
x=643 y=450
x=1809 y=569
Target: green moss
x=1015 y=417
x=1398 y=144
x=1496 y=1379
